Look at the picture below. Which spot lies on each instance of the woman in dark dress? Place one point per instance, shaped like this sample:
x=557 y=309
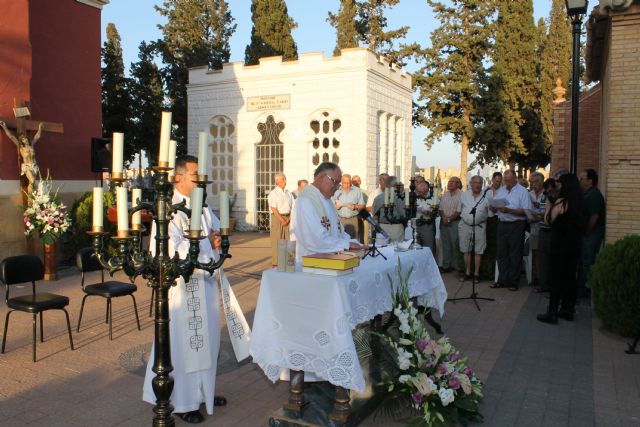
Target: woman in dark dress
x=565 y=218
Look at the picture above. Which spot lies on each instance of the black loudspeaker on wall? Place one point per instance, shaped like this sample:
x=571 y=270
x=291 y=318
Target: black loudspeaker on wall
x=100 y=155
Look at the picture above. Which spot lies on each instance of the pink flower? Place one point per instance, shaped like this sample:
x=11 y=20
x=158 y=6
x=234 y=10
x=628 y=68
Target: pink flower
x=421 y=344
x=417 y=397
x=468 y=372
x=454 y=357
x=442 y=369
x=454 y=383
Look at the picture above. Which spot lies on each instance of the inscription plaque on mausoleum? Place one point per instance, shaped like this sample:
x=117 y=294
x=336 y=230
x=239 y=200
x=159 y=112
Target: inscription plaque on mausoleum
x=270 y=102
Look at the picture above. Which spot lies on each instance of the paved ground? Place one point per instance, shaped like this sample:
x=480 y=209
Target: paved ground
x=574 y=374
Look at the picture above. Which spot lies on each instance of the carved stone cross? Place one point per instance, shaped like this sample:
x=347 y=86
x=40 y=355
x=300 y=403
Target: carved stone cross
x=21 y=123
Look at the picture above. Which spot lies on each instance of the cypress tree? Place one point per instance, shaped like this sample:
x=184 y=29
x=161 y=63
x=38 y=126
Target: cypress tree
x=346 y=26
x=271 y=32
x=511 y=123
x=372 y=25
x=116 y=102
x=147 y=95
x=447 y=82
x=197 y=33
x=559 y=53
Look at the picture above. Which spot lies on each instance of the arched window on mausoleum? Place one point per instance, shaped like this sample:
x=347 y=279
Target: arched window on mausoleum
x=221 y=146
x=325 y=144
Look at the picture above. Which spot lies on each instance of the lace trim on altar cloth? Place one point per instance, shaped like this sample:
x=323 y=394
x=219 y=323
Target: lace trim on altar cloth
x=342 y=369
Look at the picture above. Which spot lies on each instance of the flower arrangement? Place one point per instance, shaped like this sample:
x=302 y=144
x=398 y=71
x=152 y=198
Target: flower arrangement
x=45 y=216
x=430 y=377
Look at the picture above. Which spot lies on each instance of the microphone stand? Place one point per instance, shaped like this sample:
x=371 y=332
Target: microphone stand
x=373 y=251
x=474 y=295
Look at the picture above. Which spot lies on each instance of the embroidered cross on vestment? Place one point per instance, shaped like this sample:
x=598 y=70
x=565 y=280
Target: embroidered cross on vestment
x=324 y=221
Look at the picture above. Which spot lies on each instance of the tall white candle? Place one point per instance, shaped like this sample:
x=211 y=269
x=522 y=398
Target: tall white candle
x=406 y=197
x=165 y=134
x=224 y=209
x=392 y=197
x=202 y=153
x=98 y=212
x=172 y=156
x=123 y=209
x=387 y=196
x=117 y=153
x=136 y=199
x=196 y=207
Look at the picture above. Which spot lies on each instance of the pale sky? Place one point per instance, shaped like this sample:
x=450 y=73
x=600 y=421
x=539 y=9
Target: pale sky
x=136 y=21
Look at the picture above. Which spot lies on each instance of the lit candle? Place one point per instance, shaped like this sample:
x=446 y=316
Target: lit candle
x=202 y=153
x=406 y=198
x=196 y=207
x=118 y=144
x=224 y=209
x=387 y=196
x=136 y=199
x=123 y=209
x=165 y=134
x=98 y=213
x=172 y=156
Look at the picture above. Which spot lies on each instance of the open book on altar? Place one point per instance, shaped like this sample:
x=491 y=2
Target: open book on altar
x=331 y=260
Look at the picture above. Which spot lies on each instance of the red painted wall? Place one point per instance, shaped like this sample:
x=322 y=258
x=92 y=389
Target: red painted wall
x=50 y=55
x=65 y=83
x=15 y=73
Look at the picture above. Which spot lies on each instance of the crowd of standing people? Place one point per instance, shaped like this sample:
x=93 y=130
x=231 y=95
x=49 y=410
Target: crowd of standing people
x=558 y=222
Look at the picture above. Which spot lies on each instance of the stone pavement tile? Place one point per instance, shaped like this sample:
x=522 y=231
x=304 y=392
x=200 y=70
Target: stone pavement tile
x=555 y=419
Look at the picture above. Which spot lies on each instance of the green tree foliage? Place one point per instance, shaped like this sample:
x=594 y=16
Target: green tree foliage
x=509 y=124
x=197 y=33
x=372 y=25
x=557 y=55
x=116 y=102
x=346 y=25
x=271 y=32
x=147 y=94
x=447 y=83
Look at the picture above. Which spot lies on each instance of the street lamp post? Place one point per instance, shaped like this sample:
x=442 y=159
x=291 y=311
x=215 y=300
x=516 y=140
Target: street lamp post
x=575 y=9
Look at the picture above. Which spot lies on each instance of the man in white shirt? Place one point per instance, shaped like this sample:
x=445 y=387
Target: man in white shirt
x=473 y=198
x=348 y=201
x=315 y=225
x=280 y=204
x=449 y=217
x=194 y=360
x=511 y=227
x=382 y=179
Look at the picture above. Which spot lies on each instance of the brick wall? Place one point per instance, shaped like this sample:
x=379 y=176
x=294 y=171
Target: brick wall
x=622 y=78
x=588 y=132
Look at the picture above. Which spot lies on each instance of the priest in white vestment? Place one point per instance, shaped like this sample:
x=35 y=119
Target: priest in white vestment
x=315 y=226
x=193 y=310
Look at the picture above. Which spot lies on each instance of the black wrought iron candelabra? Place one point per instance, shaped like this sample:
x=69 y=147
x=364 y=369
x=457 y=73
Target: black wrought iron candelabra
x=410 y=209
x=160 y=270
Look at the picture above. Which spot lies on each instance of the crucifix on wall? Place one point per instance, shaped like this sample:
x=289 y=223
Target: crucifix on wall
x=27 y=156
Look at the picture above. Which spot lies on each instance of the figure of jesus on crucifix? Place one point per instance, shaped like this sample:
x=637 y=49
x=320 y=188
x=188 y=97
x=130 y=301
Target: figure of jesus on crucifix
x=29 y=166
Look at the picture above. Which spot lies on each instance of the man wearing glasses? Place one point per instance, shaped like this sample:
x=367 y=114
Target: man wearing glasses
x=315 y=225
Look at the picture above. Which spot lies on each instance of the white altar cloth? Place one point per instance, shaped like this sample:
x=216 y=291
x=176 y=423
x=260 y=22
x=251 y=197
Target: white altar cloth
x=304 y=321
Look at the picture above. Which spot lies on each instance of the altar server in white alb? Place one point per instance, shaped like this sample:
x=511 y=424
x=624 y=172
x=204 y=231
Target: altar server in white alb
x=193 y=310
x=315 y=225
x=280 y=204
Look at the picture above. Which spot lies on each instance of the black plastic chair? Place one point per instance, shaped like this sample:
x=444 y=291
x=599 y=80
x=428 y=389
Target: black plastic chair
x=111 y=289
x=29 y=268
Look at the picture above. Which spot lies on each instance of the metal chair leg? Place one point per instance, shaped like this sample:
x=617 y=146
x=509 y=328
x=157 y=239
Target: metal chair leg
x=110 y=318
x=69 y=328
x=34 y=337
x=81 y=310
x=6 y=325
x=41 y=328
x=106 y=320
x=135 y=310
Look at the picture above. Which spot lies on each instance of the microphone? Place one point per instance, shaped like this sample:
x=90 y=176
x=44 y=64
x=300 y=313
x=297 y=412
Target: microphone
x=366 y=216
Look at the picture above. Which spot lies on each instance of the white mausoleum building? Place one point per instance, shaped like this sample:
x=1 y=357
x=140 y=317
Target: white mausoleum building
x=289 y=117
